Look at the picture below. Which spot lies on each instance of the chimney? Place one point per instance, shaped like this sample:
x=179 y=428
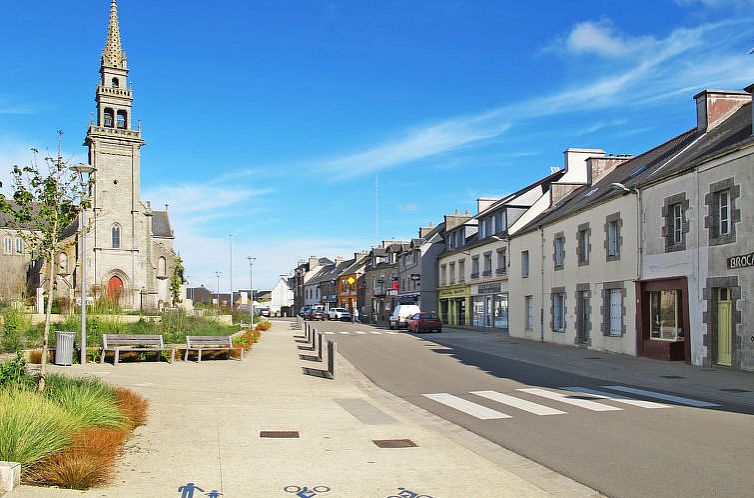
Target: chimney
x=453 y=220
x=598 y=167
x=358 y=256
x=424 y=231
x=576 y=170
x=485 y=202
x=338 y=260
x=750 y=89
x=313 y=262
x=714 y=106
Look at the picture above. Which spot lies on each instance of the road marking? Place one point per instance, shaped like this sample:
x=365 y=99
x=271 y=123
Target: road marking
x=462 y=405
x=563 y=398
x=360 y=332
x=392 y=333
x=617 y=397
x=344 y=332
x=330 y=333
x=521 y=404
x=666 y=397
x=375 y=332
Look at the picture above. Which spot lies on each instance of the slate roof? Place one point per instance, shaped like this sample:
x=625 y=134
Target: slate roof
x=161 y=225
x=678 y=154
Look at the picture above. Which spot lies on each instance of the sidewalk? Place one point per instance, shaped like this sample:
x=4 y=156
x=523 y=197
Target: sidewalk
x=205 y=422
x=716 y=384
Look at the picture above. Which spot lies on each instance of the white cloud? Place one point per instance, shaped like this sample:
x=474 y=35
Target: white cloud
x=201 y=199
x=715 y=4
x=408 y=208
x=601 y=38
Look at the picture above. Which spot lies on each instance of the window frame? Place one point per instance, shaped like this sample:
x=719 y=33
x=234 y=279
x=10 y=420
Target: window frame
x=116 y=228
x=525 y=264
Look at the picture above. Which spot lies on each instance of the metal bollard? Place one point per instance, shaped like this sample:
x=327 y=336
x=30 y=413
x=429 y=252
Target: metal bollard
x=332 y=350
x=319 y=349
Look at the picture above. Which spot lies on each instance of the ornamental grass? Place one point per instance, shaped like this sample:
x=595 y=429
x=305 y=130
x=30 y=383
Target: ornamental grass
x=89 y=401
x=133 y=406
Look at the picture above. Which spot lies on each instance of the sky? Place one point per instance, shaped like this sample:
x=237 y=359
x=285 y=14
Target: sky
x=322 y=127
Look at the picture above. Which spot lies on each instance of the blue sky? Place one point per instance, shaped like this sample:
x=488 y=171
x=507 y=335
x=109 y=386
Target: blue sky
x=270 y=120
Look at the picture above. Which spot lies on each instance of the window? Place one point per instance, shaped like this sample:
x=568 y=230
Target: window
x=475 y=267
x=486 y=227
x=462 y=270
x=677 y=230
x=524 y=264
x=19 y=245
x=723 y=210
x=500 y=222
x=558 y=311
x=115 y=83
x=502 y=261
x=582 y=243
x=665 y=315
x=612 y=238
x=443 y=274
x=615 y=305
x=63 y=263
x=722 y=216
x=559 y=251
x=8 y=245
x=116 y=236
x=488 y=264
x=529 y=305
x=452 y=273
x=122 y=122
x=162 y=267
x=109 y=117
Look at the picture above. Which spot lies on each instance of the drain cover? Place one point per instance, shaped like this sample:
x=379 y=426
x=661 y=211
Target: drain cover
x=279 y=434
x=394 y=443
x=734 y=390
x=672 y=377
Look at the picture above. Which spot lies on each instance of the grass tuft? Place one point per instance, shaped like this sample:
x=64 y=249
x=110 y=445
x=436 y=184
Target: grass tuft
x=90 y=402
x=133 y=406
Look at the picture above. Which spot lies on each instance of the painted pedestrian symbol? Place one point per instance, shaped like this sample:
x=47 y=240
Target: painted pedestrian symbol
x=187 y=490
x=214 y=494
x=305 y=492
x=405 y=493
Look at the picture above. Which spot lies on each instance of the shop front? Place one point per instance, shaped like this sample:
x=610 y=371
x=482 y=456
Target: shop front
x=489 y=306
x=663 y=321
x=454 y=304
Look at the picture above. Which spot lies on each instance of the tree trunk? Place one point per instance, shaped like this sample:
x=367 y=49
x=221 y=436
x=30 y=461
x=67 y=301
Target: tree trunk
x=48 y=313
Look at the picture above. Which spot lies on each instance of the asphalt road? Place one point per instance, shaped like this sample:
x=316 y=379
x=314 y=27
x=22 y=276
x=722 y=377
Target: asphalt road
x=626 y=449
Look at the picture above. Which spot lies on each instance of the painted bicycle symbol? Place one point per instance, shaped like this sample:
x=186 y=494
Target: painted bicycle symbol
x=305 y=492
x=405 y=493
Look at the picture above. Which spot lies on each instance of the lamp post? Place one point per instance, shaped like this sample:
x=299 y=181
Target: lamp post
x=218 y=273
x=251 y=287
x=84 y=171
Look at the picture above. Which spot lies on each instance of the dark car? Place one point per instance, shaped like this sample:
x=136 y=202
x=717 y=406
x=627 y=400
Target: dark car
x=425 y=321
x=304 y=311
x=316 y=314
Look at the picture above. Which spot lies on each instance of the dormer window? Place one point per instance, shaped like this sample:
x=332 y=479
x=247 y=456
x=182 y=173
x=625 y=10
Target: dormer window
x=109 y=117
x=122 y=122
x=116 y=83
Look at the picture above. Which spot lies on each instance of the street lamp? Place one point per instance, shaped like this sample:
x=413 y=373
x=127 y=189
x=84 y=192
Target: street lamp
x=84 y=171
x=218 y=273
x=251 y=287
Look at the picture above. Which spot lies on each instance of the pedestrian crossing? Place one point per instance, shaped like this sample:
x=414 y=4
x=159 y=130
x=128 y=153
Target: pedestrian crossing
x=543 y=402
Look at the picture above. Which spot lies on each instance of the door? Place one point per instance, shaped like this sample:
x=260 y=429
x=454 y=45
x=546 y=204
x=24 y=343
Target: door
x=488 y=311
x=114 y=288
x=582 y=332
x=616 y=312
x=461 y=307
x=724 y=327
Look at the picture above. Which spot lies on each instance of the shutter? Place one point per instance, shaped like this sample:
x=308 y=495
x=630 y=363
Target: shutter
x=615 y=312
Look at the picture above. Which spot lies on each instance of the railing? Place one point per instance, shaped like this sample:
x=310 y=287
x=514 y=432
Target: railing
x=475 y=275
x=487 y=273
x=104 y=130
x=501 y=271
x=120 y=92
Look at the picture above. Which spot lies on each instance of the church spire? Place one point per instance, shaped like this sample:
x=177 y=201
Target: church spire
x=113 y=55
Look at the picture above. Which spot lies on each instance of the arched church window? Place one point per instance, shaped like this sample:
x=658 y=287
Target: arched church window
x=162 y=267
x=8 y=245
x=19 y=245
x=109 y=116
x=116 y=83
x=122 y=123
x=116 y=236
x=63 y=263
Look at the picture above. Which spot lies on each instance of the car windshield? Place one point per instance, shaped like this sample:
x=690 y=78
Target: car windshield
x=429 y=316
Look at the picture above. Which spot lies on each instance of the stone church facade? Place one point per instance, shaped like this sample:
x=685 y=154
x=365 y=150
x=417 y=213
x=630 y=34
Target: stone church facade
x=129 y=245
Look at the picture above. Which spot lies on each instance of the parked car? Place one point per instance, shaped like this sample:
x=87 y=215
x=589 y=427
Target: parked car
x=304 y=311
x=316 y=314
x=264 y=312
x=339 y=314
x=401 y=314
x=426 y=321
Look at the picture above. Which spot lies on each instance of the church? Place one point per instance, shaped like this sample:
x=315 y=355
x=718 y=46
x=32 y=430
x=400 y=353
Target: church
x=129 y=246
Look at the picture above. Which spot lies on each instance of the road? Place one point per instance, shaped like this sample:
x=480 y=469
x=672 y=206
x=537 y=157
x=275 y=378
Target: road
x=621 y=443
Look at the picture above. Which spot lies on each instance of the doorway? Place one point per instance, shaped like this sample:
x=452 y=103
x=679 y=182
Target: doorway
x=724 y=326
x=582 y=318
x=114 y=289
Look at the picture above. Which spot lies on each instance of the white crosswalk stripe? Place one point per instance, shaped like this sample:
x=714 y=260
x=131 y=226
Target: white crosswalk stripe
x=392 y=333
x=617 y=397
x=565 y=398
x=665 y=397
x=330 y=333
x=521 y=404
x=465 y=406
x=344 y=332
x=360 y=332
x=375 y=332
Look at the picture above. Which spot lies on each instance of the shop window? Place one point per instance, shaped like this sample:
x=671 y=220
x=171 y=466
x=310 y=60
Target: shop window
x=524 y=264
x=529 y=310
x=477 y=311
x=558 y=255
x=501 y=311
x=582 y=243
x=558 y=310
x=722 y=213
x=8 y=244
x=665 y=315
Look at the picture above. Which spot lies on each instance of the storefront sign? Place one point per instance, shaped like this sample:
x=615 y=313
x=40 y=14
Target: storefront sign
x=456 y=292
x=489 y=288
x=741 y=261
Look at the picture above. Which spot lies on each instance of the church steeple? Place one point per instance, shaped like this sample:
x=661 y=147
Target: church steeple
x=113 y=55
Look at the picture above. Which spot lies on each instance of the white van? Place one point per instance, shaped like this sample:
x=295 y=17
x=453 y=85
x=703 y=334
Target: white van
x=401 y=314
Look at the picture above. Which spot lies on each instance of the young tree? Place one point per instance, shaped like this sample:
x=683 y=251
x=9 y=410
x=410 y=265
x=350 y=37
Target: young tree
x=43 y=205
x=176 y=280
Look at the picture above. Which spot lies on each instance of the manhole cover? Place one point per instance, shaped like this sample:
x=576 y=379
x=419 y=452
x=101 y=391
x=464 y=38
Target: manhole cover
x=394 y=443
x=734 y=390
x=672 y=377
x=279 y=434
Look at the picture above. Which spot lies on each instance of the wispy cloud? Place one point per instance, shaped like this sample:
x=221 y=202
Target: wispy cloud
x=192 y=199
x=601 y=38
x=715 y=4
x=408 y=208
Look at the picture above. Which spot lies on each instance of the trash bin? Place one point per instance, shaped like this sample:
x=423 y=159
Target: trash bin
x=64 y=348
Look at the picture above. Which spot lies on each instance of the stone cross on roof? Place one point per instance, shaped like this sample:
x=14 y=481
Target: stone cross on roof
x=113 y=55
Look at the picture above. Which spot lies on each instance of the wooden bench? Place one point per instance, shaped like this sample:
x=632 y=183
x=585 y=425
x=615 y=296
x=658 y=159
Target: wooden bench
x=137 y=342
x=201 y=343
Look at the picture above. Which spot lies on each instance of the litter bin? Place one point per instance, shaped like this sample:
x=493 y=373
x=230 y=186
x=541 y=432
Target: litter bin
x=64 y=348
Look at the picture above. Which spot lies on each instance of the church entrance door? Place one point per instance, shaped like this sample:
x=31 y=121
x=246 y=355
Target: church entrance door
x=114 y=288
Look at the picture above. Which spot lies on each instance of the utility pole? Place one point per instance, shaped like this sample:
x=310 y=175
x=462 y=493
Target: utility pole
x=251 y=287
x=231 y=273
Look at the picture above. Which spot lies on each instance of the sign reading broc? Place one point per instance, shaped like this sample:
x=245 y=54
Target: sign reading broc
x=741 y=261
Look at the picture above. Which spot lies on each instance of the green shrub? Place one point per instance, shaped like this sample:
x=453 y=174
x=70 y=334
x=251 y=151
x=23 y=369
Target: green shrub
x=90 y=402
x=31 y=426
x=13 y=373
x=13 y=329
